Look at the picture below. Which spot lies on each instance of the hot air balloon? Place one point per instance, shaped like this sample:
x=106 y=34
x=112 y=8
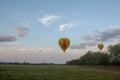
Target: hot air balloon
x=100 y=46
x=64 y=43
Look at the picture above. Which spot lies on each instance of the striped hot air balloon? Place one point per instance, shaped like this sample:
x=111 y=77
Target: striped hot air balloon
x=64 y=43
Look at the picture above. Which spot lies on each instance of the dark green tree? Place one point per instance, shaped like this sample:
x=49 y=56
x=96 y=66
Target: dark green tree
x=91 y=58
x=88 y=58
x=114 y=51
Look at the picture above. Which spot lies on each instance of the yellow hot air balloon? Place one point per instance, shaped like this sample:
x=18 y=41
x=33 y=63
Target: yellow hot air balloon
x=100 y=46
x=64 y=43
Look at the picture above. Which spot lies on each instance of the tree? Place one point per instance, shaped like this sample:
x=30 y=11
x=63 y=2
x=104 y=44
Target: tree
x=114 y=51
x=91 y=58
x=74 y=62
x=104 y=59
x=88 y=58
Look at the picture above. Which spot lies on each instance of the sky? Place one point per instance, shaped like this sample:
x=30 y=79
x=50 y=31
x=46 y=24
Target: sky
x=30 y=29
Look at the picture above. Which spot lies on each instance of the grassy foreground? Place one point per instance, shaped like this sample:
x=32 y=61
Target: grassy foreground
x=58 y=72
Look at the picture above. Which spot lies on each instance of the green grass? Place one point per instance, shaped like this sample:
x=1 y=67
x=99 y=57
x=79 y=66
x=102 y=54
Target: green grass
x=58 y=72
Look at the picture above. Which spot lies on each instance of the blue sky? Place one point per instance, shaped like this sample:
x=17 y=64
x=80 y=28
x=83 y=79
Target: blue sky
x=33 y=25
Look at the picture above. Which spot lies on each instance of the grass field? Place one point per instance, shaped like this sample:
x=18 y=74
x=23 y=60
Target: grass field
x=58 y=72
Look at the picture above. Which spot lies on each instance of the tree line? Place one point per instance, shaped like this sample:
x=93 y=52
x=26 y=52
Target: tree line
x=109 y=57
x=26 y=63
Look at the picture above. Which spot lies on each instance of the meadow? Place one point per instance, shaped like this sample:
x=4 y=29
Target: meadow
x=58 y=72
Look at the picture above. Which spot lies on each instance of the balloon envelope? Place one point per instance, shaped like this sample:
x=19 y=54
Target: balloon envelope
x=64 y=43
x=100 y=46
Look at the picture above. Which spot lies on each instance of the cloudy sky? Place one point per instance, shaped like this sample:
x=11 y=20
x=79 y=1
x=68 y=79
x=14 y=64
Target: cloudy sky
x=30 y=29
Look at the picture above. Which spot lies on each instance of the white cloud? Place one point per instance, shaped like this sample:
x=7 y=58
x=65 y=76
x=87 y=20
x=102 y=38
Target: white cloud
x=87 y=37
x=103 y=36
x=112 y=35
x=109 y=34
x=47 y=20
x=7 y=38
x=115 y=41
x=32 y=49
x=68 y=25
x=34 y=55
x=83 y=45
x=27 y=23
x=22 y=31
